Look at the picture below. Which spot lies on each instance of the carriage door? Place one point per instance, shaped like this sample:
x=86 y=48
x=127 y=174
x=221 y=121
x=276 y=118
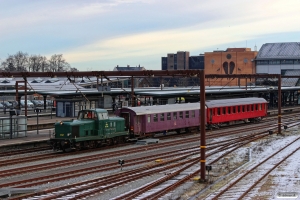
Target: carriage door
x=126 y=116
x=137 y=123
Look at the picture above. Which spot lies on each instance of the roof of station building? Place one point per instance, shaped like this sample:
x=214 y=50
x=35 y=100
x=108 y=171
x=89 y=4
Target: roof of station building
x=285 y=50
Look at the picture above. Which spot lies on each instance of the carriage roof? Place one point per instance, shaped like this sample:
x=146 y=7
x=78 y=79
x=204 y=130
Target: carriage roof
x=142 y=110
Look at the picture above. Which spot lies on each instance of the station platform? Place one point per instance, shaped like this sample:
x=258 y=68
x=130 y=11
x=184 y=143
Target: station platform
x=34 y=138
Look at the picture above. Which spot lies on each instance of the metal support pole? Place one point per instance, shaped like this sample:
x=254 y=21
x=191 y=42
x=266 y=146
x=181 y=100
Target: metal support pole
x=279 y=104
x=37 y=121
x=202 y=124
x=132 y=91
x=25 y=97
x=10 y=115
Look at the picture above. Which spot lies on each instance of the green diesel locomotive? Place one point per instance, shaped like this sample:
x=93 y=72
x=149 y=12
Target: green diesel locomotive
x=92 y=128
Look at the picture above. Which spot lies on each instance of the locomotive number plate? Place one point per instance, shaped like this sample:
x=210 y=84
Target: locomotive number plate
x=61 y=134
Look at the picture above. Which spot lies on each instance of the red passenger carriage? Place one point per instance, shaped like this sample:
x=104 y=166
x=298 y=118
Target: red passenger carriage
x=231 y=110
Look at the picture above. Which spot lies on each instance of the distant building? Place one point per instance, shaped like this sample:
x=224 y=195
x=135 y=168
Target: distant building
x=276 y=58
x=181 y=61
x=280 y=58
x=230 y=61
x=128 y=68
x=127 y=83
x=196 y=62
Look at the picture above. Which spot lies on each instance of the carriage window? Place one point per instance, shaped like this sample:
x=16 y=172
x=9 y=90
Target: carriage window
x=224 y=111
x=149 y=118
x=233 y=109
x=249 y=107
x=155 y=118
x=180 y=115
x=168 y=116
x=162 y=117
x=175 y=115
x=243 y=108
x=193 y=113
x=218 y=110
x=259 y=106
x=229 y=109
x=187 y=114
x=239 y=109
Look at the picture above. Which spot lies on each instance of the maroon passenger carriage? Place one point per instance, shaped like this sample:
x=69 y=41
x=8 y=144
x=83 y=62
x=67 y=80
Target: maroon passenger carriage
x=148 y=120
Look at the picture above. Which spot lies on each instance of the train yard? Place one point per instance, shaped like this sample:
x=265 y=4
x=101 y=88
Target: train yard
x=166 y=169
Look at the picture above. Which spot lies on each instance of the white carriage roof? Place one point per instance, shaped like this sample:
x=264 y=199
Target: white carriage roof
x=234 y=102
x=194 y=106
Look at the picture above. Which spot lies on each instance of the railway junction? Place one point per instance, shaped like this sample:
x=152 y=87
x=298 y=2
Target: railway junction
x=133 y=96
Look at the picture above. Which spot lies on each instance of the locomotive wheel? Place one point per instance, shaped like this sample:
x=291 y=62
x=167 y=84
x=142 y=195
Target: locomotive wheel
x=92 y=144
x=115 y=140
x=109 y=142
x=122 y=139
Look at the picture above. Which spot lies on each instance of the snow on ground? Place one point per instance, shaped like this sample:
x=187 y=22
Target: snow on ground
x=281 y=183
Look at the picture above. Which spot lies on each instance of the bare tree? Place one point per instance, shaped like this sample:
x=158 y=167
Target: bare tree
x=37 y=63
x=20 y=61
x=58 y=64
x=17 y=62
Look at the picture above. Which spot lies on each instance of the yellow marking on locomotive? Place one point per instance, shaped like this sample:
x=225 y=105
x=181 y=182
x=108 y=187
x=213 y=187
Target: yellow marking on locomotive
x=62 y=135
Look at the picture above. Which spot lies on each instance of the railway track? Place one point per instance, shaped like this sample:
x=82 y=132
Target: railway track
x=237 y=189
x=228 y=145
x=80 y=189
x=217 y=133
x=113 y=165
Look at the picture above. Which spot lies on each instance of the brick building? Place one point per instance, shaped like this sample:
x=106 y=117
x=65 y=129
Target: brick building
x=230 y=61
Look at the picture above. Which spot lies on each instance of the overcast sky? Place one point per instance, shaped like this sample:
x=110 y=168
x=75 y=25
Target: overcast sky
x=99 y=35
